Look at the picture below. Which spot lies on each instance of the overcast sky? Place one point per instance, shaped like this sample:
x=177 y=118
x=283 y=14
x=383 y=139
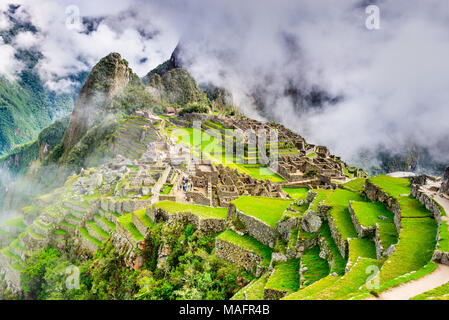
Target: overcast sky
x=393 y=82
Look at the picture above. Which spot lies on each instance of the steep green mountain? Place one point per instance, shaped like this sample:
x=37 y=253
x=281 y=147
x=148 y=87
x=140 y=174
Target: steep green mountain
x=26 y=105
x=26 y=109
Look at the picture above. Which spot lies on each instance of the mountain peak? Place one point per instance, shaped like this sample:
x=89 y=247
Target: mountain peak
x=110 y=75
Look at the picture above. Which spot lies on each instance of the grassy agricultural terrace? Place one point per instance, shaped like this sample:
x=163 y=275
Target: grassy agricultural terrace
x=199 y=210
x=296 y=193
x=269 y=210
x=212 y=148
x=248 y=243
x=285 y=277
x=394 y=187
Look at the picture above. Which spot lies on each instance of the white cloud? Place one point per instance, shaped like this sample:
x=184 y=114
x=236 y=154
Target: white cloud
x=26 y=40
x=9 y=66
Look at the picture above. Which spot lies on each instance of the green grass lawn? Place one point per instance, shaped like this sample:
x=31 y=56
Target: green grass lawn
x=313 y=289
x=126 y=221
x=412 y=208
x=413 y=251
x=364 y=248
x=249 y=243
x=260 y=172
x=439 y=293
x=199 y=210
x=254 y=290
x=388 y=234
x=285 y=276
x=34 y=234
x=352 y=282
x=339 y=201
x=296 y=193
x=356 y=185
x=166 y=189
x=69 y=225
x=61 y=232
x=86 y=235
x=142 y=216
x=368 y=213
x=339 y=261
x=98 y=229
x=394 y=187
x=108 y=223
x=268 y=210
x=443 y=244
x=321 y=195
x=317 y=268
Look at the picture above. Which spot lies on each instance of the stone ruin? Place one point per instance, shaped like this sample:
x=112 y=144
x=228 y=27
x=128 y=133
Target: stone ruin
x=219 y=185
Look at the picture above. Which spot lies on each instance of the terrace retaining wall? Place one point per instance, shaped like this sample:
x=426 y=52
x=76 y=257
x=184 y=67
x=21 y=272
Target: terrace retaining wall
x=202 y=224
x=240 y=256
x=427 y=202
x=342 y=244
x=363 y=232
x=375 y=194
x=255 y=227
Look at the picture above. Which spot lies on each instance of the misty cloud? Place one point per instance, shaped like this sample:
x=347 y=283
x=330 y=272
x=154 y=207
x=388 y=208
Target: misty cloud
x=391 y=84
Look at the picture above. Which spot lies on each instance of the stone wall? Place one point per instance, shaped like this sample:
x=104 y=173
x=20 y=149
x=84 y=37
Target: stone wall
x=139 y=224
x=124 y=246
x=198 y=198
x=445 y=184
x=273 y=294
x=326 y=253
x=34 y=244
x=375 y=194
x=284 y=227
x=125 y=233
x=255 y=227
x=342 y=244
x=167 y=197
x=123 y=206
x=240 y=256
x=380 y=250
x=427 y=201
x=441 y=257
x=202 y=224
x=306 y=244
x=87 y=245
x=363 y=232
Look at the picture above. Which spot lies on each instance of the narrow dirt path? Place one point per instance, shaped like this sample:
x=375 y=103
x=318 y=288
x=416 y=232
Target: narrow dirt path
x=410 y=289
x=444 y=202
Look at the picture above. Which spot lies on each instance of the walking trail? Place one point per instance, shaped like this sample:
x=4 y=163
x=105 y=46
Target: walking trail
x=410 y=289
x=437 y=278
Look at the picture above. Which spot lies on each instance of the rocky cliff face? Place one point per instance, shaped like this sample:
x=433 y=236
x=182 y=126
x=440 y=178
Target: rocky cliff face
x=445 y=185
x=176 y=86
x=109 y=77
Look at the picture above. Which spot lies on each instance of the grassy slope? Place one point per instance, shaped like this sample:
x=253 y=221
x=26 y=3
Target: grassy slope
x=339 y=201
x=296 y=193
x=201 y=211
x=247 y=242
x=394 y=187
x=317 y=268
x=268 y=210
x=285 y=276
